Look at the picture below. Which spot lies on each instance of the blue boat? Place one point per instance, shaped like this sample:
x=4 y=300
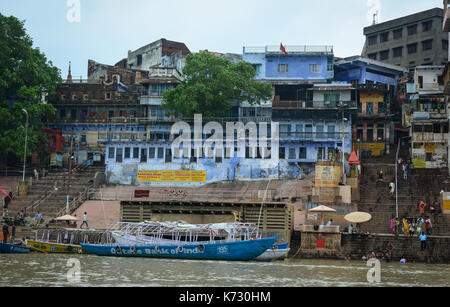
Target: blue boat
x=6 y=248
x=235 y=251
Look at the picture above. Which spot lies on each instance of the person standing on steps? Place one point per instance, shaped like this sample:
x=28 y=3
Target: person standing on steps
x=423 y=242
x=5 y=233
x=392 y=188
x=85 y=221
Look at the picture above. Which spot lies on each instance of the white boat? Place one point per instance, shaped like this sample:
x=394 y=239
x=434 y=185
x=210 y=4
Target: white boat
x=273 y=254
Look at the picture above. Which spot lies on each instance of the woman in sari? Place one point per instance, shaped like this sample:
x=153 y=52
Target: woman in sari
x=405 y=227
x=392 y=225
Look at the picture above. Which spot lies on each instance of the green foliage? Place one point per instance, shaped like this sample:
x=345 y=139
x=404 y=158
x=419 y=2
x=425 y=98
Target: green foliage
x=212 y=84
x=25 y=74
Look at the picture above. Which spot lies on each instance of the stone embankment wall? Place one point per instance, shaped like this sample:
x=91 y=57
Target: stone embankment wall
x=355 y=246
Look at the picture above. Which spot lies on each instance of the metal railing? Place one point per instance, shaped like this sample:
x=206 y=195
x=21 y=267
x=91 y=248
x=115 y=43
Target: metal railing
x=290 y=49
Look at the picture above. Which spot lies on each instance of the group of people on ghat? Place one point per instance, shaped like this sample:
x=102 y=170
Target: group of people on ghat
x=411 y=226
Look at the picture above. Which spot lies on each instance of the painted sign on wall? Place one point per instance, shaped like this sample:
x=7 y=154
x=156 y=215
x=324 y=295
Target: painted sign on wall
x=419 y=163
x=172 y=176
x=328 y=176
x=375 y=148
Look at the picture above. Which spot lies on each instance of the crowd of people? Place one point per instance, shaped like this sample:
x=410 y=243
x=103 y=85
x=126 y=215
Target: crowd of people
x=411 y=226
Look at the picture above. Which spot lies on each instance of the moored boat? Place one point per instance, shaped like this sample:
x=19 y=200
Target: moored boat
x=277 y=252
x=235 y=251
x=7 y=248
x=53 y=247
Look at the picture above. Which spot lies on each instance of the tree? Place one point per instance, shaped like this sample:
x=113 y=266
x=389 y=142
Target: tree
x=25 y=75
x=210 y=86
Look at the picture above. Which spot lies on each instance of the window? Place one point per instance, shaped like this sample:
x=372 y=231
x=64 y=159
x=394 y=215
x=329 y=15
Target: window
x=299 y=131
x=381 y=108
x=151 y=152
x=111 y=152
x=257 y=68
x=160 y=153
x=302 y=153
x=158 y=89
x=384 y=37
x=136 y=153
x=282 y=67
x=359 y=107
x=331 y=132
x=398 y=33
x=412 y=48
x=369 y=108
x=427 y=45
x=282 y=153
x=412 y=30
x=398 y=52
x=445 y=44
x=314 y=68
x=119 y=155
x=373 y=40
x=308 y=131
x=107 y=96
x=143 y=155
x=331 y=100
x=319 y=131
x=372 y=56
x=127 y=152
x=85 y=97
x=139 y=59
x=384 y=55
x=321 y=153
x=285 y=130
x=426 y=26
x=292 y=154
x=330 y=64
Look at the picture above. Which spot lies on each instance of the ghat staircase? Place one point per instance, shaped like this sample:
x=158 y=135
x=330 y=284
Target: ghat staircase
x=423 y=185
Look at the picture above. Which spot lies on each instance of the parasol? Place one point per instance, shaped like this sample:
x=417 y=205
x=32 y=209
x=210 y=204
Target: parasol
x=358 y=217
x=322 y=209
x=67 y=218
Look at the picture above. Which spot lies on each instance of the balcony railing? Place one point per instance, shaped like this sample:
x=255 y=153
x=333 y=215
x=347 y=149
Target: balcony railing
x=312 y=104
x=429 y=87
x=312 y=136
x=430 y=137
x=290 y=49
x=127 y=136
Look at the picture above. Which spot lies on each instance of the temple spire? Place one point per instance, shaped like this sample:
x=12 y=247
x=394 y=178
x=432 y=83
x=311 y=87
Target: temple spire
x=69 y=75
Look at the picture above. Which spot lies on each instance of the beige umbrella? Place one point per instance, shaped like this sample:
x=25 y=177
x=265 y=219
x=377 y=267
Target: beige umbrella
x=322 y=209
x=358 y=217
x=67 y=218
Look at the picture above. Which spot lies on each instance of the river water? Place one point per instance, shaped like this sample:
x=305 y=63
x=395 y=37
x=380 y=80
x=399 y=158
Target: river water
x=38 y=270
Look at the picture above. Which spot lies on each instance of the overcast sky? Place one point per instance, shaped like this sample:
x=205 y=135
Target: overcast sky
x=109 y=28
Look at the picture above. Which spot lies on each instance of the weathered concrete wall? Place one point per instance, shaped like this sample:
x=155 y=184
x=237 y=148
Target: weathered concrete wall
x=356 y=246
x=228 y=170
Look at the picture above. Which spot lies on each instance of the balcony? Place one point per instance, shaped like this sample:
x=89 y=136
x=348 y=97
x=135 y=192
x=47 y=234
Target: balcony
x=429 y=87
x=313 y=136
x=429 y=115
x=277 y=104
x=122 y=137
x=151 y=100
x=372 y=87
x=430 y=137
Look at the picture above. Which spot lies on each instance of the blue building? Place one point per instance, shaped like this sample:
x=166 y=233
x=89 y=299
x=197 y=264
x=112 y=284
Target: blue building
x=315 y=114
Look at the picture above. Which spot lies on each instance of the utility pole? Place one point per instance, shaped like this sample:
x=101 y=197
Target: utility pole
x=69 y=174
x=25 y=151
x=396 y=177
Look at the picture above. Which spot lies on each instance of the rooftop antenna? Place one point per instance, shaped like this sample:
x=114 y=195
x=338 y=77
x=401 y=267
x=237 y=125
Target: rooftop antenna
x=375 y=18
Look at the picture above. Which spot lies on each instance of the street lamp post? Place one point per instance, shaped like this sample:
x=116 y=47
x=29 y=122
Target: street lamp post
x=25 y=151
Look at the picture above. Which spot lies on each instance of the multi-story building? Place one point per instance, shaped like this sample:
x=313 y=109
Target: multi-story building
x=426 y=116
x=375 y=84
x=446 y=73
x=409 y=41
x=315 y=116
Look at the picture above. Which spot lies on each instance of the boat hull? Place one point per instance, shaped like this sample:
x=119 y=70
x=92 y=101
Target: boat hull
x=273 y=254
x=54 y=248
x=13 y=249
x=234 y=251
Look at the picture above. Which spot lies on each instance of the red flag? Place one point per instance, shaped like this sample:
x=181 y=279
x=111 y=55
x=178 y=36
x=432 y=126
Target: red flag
x=283 y=49
x=4 y=192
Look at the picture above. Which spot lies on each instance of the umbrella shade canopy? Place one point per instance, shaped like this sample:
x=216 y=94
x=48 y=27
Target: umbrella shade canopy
x=358 y=217
x=67 y=218
x=322 y=209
